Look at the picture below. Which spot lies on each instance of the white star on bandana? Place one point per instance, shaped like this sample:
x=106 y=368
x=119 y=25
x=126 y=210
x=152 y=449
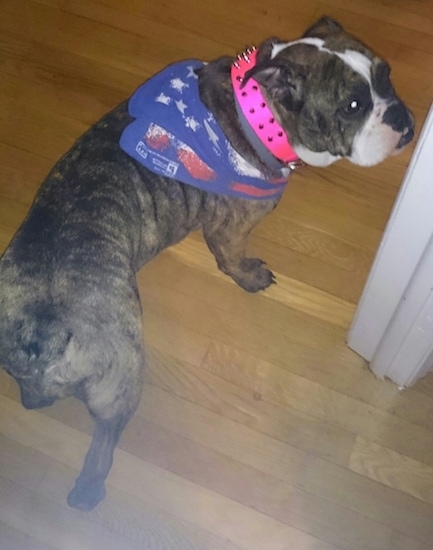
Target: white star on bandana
x=192 y=123
x=162 y=98
x=191 y=72
x=178 y=84
x=181 y=106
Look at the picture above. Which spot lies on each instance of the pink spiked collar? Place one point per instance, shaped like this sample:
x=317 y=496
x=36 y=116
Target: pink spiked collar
x=257 y=113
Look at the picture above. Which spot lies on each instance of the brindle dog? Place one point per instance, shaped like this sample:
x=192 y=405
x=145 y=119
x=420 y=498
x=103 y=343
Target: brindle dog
x=70 y=315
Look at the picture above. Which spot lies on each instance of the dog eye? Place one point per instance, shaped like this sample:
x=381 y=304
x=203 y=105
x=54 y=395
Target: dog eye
x=353 y=107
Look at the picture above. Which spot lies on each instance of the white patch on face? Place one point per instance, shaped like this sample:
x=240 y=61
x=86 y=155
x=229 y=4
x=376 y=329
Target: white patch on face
x=314 y=158
x=375 y=141
x=357 y=61
x=277 y=48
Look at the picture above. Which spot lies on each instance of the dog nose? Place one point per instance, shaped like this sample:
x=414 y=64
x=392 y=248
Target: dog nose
x=406 y=138
x=398 y=117
x=401 y=120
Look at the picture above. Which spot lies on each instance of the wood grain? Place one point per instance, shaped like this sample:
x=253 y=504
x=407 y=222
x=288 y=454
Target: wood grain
x=392 y=469
x=258 y=428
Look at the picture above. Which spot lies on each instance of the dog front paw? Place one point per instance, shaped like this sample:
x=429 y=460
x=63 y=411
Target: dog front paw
x=252 y=275
x=85 y=496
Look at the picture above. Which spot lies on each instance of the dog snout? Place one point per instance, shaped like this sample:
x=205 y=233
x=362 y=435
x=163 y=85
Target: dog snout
x=401 y=120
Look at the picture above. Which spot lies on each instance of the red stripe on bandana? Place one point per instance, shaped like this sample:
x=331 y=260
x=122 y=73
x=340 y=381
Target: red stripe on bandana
x=194 y=165
x=158 y=140
x=251 y=190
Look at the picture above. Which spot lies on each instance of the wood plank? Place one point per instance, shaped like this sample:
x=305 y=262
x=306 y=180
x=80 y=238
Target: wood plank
x=240 y=524
x=11 y=539
x=75 y=94
x=272 y=459
x=49 y=138
x=21 y=176
x=26 y=469
x=33 y=515
x=371 y=499
x=392 y=469
x=425 y=385
x=242 y=484
x=211 y=470
x=136 y=520
x=401 y=14
x=147 y=439
x=231 y=401
x=288 y=292
x=279 y=386
x=127 y=518
x=162 y=333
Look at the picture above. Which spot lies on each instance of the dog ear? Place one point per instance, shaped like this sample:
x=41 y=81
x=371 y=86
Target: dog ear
x=323 y=27
x=282 y=82
x=380 y=71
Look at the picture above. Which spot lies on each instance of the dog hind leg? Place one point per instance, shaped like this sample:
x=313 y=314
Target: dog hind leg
x=89 y=487
x=110 y=417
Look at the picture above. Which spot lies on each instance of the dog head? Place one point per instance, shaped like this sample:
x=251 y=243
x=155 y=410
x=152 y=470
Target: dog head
x=333 y=97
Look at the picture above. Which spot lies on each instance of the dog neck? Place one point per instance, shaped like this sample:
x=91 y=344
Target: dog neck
x=258 y=122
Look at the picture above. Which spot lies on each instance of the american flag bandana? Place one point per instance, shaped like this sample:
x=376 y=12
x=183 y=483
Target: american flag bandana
x=174 y=135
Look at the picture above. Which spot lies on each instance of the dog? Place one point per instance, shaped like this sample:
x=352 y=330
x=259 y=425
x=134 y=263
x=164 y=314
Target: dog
x=70 y=315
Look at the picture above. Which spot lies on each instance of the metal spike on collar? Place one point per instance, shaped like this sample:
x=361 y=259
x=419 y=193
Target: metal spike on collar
x=244 y=55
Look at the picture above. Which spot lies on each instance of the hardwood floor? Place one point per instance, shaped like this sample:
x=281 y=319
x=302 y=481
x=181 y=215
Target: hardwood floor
x=258 y=428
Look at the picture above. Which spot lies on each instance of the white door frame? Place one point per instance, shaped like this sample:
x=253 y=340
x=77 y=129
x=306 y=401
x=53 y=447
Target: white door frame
x=393 y=325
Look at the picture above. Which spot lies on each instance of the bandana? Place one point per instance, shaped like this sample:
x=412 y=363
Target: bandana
x=175 y=135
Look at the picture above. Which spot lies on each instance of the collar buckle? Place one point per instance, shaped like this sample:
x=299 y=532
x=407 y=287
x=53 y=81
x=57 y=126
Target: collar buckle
x=293 y=164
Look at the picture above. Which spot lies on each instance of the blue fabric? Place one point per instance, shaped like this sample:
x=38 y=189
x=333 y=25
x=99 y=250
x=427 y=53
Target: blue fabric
x=175 y=135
